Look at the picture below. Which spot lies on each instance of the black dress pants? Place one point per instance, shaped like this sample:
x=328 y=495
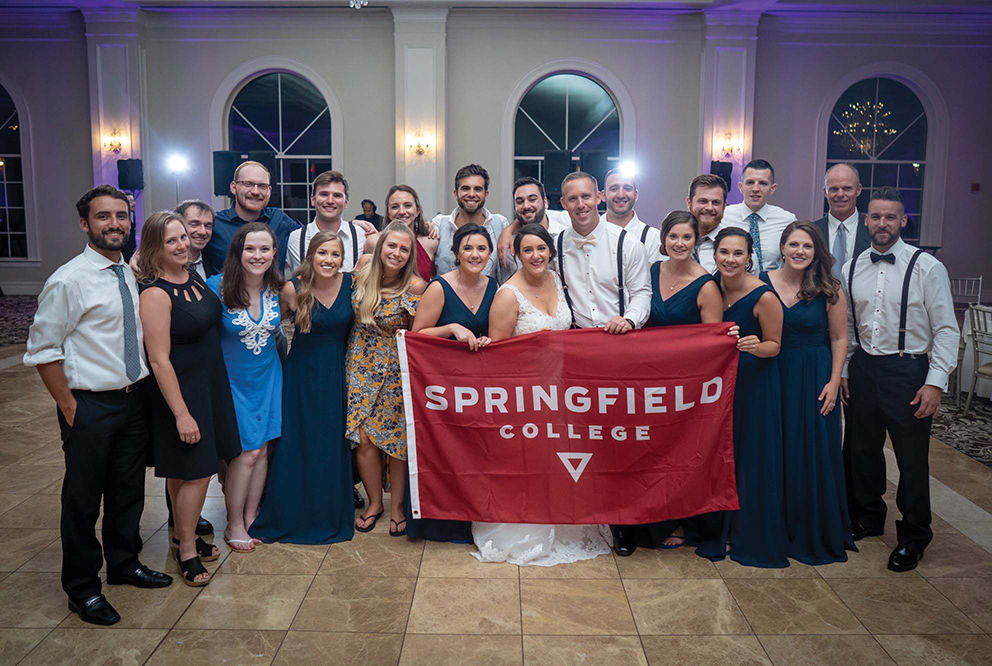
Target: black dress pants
x=105 y=450
x=881 y=389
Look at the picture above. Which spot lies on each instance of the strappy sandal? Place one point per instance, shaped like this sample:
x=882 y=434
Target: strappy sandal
x=192 y=568
x=399 y=532
x=231 y=542
x=203 y=549
x=370 y=527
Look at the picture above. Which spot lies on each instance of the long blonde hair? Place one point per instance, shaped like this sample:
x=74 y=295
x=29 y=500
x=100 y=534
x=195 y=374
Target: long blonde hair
x=153 y=245
x=304 y=293
x=369 y=291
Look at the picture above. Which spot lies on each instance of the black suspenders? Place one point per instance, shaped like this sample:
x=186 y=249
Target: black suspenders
x=564 y=284
x=644 y=235
x=902 y=306
x=354 y=243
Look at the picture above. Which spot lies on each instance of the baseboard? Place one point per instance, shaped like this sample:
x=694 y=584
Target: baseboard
x=21 y=288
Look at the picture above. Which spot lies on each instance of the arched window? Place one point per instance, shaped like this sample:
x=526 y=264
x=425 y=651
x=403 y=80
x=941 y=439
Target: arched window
x=880 y=126
x=565 y=112
x=13 y=224
x=285 y=114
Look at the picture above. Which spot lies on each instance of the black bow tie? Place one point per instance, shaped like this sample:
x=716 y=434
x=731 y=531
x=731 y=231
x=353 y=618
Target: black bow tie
x=876 y=257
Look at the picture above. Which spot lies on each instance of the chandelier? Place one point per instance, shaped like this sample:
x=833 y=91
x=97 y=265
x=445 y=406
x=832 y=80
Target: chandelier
x=866 y=123
x=357 y=4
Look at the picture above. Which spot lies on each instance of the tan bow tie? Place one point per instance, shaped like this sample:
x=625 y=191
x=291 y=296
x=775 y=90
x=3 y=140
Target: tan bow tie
x=582 y=242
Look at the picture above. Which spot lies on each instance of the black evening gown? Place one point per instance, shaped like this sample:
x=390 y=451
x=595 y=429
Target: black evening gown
x=308 y=499
x=454 y=312
x=755 y=532
x=198 y=361
x=816 y=517
x=679 y=309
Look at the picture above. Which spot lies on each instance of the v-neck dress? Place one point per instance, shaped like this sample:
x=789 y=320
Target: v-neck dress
x=756 y=532
x=816 y=517
x=454 y=312
x=309 y=498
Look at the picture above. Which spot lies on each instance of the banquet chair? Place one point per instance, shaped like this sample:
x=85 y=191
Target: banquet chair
x=964 y=292
x=981 y=331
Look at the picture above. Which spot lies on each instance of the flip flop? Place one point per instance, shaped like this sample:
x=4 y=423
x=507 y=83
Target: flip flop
x=665 y=546
x=369 y=528
x=231 y=542
x=398 y=532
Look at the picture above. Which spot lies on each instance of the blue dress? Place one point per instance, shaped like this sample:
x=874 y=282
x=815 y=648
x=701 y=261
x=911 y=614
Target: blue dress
x=308 y=498
x=679 y=309
x=454 y=312
x=816 y=518
x=756 y=532
x=253 y=366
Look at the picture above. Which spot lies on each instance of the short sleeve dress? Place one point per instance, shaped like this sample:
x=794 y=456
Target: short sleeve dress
x=198 y=362
x=375 y=392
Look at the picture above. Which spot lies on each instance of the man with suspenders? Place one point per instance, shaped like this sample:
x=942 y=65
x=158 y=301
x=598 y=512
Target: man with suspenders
x=329 y=198
x=604 y=271
x=902 y=345
x=620 y=193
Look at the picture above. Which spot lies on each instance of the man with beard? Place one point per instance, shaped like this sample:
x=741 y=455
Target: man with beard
x=759 y=218
x=902 y=345
x=843 y=227
x=530 y=206
x=86 y=342
x=620 y=192
x=707 y=200
x=329 y=198
x=471 y=194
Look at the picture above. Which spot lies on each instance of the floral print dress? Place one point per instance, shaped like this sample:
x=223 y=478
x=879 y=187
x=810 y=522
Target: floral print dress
x=375 y=392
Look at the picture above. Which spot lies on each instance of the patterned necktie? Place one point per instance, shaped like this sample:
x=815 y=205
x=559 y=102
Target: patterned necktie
x=752 y=222
x=695 y=253
x=840 y=250
x=132 y=360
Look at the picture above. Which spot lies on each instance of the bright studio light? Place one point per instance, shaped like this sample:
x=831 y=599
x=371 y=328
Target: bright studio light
x=177 y=164
x=628 y=169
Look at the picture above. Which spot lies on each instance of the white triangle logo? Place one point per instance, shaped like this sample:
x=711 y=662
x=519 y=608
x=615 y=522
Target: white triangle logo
x=575 y=470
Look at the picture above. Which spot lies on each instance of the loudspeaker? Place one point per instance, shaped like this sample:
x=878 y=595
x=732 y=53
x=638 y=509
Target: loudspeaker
x=557 y=165
x=130 y=175
x=594 y=163
x=722 y=169
x=226 y=161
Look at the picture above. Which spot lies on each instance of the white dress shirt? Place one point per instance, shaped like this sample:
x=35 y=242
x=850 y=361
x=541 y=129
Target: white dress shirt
x=773 y=222
x=850 y=226
x=705 y=248
x=344 y=231
x=197 y=267
x=444 y=258
x=591 y=276
x=930 y=323
x=652 y=242
x=80 y=322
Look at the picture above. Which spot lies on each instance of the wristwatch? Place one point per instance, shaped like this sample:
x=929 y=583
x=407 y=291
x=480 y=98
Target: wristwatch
x=629 y=322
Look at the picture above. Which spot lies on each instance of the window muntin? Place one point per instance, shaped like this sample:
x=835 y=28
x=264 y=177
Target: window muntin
x=13 y=218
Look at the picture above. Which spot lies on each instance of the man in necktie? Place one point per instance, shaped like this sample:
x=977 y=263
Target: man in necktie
x=843 y=227
x=86 y=342
x=759 y=218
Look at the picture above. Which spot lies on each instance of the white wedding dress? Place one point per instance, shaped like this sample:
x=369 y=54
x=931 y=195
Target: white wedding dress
x=539 y=545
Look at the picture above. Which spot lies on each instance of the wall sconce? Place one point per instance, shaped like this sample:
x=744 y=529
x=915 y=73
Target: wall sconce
x=419 y=144
x=114 y=142
x=730 y=149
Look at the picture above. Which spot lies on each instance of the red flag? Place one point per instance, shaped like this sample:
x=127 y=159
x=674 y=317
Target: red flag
x=572 y=427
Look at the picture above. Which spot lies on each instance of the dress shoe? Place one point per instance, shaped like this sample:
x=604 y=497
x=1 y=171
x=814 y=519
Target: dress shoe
x=623 y=545
x=96 y=610
x=860 y=532
x=142 y=576
x=903 y=559
x=359 y=500
x=204 y=527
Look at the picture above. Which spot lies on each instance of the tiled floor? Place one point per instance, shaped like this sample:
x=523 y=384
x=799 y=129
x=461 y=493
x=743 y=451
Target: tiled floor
x=382 y=600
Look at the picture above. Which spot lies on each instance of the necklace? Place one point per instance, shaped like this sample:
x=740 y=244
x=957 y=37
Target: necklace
x=677 y=283
x=539 y=288
x=471 y=297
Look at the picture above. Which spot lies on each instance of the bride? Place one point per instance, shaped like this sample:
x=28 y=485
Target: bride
x=532 y=300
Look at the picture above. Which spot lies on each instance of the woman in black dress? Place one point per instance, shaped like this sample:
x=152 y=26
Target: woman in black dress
x=193 y=421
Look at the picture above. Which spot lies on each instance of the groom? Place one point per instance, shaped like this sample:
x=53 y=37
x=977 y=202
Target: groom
x=604 y=271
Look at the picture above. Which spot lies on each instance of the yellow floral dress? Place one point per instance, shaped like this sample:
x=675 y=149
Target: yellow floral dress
x=375 y=392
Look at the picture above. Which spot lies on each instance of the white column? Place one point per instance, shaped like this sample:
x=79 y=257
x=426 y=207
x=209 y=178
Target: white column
x=116 y=58
x=728 y=91
x=421 y=71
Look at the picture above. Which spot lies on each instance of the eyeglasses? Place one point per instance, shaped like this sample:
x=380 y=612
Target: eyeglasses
x=251 y=185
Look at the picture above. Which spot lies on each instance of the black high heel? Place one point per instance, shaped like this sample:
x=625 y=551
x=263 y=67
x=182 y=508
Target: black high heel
x=192 y=568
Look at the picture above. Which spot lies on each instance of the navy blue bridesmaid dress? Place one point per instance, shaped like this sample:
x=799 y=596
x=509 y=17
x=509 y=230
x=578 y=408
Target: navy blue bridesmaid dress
x=453 y=312
x=756 y=532
x=308 y=499
x=679 y=309
x=816 y=518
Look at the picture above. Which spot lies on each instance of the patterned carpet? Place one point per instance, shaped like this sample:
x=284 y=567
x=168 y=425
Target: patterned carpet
x=16 y=313
x=971 y=436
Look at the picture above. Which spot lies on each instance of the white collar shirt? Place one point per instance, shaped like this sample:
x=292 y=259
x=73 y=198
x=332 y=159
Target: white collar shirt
x=850 y=226
x=706 y=250
x=345 y=231
x=652 y=237
x=444 y=258
x=80 y=323
x=931 y=327
x=591 y=276
x=773 y=222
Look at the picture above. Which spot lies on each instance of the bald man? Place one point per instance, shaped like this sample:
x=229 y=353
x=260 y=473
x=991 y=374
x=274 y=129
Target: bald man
x=843 y=228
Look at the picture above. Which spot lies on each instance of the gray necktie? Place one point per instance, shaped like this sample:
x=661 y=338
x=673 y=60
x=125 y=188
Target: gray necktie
x=132 y=360
x=840 y=250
